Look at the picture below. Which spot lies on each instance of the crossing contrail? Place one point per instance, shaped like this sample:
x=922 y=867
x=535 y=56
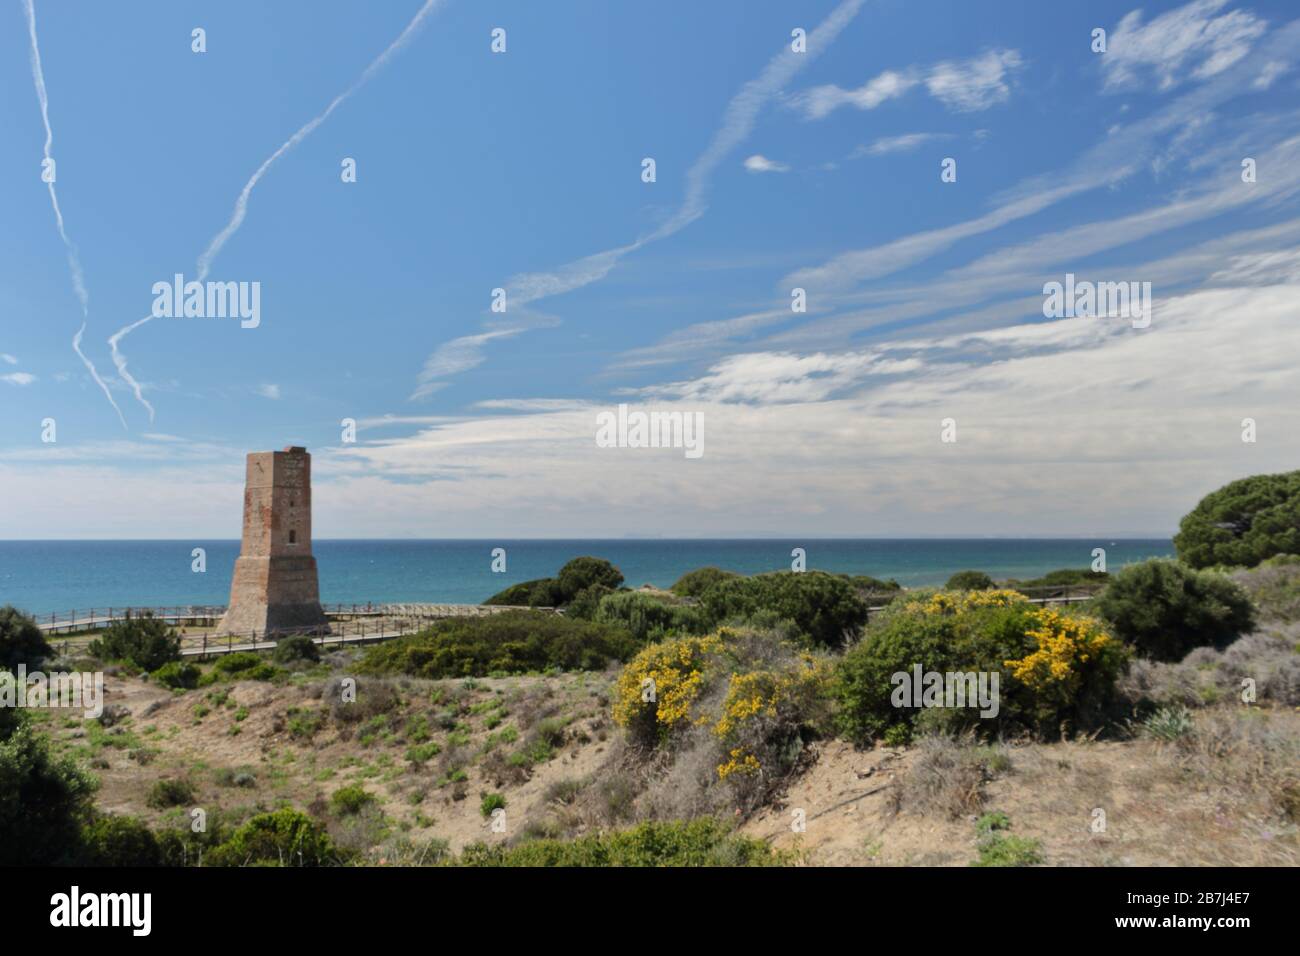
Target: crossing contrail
x=241 y=203
x=74 y=261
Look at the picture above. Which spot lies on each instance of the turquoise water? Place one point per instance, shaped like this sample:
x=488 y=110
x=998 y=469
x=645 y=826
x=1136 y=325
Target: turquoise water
x=46 y=576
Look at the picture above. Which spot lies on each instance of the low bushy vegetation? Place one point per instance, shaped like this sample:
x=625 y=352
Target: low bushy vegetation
x=1056 y=671
x=114 y=840
x=649 y=618
x=865 y=583
x=21 y=641
x=1057 y=582
x=242 y=665
x=693 y=584
x=1165 y=609
x=144 y=641
x=743 y=701
x=44 y=798
x=582 y=580
x=285 y=837
x=512 y=642
x=1000 y=848
x=970 y=581
x=703 y=842
x=295 y=649
x=350 y=800
x=825 y=608
x=170 y=793
x=177 y=675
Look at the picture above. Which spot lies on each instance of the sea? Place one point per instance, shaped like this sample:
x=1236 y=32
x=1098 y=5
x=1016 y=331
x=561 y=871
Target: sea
x=44 y=577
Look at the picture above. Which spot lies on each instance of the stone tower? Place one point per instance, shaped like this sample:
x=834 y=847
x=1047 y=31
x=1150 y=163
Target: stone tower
x=275 y=587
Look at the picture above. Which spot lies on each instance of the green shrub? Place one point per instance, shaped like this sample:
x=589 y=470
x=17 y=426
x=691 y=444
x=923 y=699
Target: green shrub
x=824 y=607
x=582 y=573
x=21 y=641
x=119 y=841
x=492 y=801
x=245 y=665
x=997 y=848
x=970 y=581
x=585 y=602
x=299 y=647
x=170 y=793
x=1168 y=723
x=701 y=842
x=285 y=837
x=1061 y=580
x=695 y=583
x=44 y=798
x=420 y=754
x=178 y=675
x=648 y=617
x=593 y=575
x=538 y=593
x=1243 y=522
x=866 y=583
x=511 y=642
x=304 y=724
x=1054 y=670
x=350 y=800
x=144 y=641
x=1164 y=609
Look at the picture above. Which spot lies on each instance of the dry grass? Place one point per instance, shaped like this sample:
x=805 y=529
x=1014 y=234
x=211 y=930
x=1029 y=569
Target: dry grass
x=947 y=778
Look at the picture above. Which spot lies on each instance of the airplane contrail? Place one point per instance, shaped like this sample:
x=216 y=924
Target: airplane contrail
x=241 y=203
x=74 y=261
x=738 y=121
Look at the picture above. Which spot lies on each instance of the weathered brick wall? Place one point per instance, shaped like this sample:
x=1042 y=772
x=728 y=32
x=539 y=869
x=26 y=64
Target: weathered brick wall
x=275 y=586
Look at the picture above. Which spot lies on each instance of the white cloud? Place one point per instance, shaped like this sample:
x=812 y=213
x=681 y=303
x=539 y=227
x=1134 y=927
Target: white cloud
x=458 y=355
x=761 y=164
x=821 y=101
x=968 y=86
x=964 y=86
x=897 y=144
x=8 y=359
x=1189 y=43
x=1269 y=73
x=269 y=391
x=18 y=378
x=1130 y=427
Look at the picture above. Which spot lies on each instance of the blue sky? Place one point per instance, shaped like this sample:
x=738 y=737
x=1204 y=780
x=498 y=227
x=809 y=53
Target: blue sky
x=775 y=170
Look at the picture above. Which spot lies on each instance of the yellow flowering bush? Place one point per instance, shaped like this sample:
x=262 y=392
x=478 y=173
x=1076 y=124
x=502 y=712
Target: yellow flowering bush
x=747 y=696
x=738 y=762
x=1055 y=669
x=654 y=693
x=1069 y=651
x=963 y=602
x=767 y=711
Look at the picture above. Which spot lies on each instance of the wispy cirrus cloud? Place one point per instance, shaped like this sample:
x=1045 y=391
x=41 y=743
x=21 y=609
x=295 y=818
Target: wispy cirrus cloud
x=1189 y=43
x=458 y=355
x=18 y=378
x=240 y=210
x=738 y=121
x=74 y=259
x=963 y=86
x=903 y=143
